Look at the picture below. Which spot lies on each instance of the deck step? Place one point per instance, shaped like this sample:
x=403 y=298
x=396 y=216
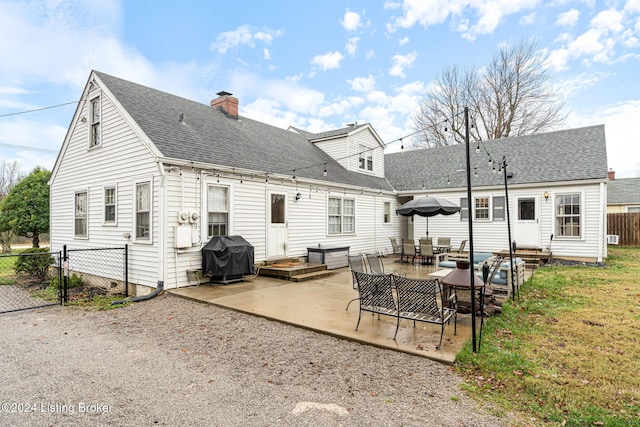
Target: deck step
x=290 y=272
x=311 y=276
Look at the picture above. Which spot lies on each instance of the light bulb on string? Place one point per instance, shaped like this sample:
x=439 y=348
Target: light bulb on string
x=325 y=170
x=478 y=148
x=475 y=172
x=401 y=144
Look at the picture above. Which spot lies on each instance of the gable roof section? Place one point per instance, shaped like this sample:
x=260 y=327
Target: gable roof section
x=566 y=155
x=623 y=191
x=208 y=135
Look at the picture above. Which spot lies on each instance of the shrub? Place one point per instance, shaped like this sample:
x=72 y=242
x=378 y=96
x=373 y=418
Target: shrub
x=35 y=261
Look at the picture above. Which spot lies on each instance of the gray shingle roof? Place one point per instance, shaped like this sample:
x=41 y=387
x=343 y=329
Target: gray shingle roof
x=566 y=155
x=623 y=191
x=210 y=136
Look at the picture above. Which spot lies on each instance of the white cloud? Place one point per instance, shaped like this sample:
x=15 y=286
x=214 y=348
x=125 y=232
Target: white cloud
x=328 y=61
x=370 y=54
x=621 y=127
x=428 y=13
x=244 y=35
x=558 y=59
x=352 y=45
x=529 y=19
x=608 y=21
x=400 y=62
x=351 y=21
x=362 y=84
x=403 y=41
x=568 y=18
x=266 y=54
x=632 y=6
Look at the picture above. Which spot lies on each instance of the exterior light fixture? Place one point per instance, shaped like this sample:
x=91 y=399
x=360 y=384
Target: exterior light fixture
x=546 y=196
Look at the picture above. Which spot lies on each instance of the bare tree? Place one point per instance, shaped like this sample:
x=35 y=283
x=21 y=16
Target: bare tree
x=509 y=97
x=9 y=176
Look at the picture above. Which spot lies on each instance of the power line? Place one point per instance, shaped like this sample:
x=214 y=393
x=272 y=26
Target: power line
x=38 y=109
x=21 y=147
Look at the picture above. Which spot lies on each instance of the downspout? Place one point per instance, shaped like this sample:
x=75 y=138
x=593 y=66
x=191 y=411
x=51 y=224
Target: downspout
x=602 y=239
x=163 y=223
x=156 y=292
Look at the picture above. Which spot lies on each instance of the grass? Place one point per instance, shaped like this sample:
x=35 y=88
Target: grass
x=567 y=352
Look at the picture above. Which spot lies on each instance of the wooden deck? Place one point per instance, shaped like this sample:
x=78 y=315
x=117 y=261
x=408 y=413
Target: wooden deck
x=531 y=257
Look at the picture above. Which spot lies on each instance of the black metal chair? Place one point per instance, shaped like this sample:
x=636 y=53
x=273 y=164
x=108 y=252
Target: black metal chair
x=420 y=299
x=356 y=263
x=376 y=294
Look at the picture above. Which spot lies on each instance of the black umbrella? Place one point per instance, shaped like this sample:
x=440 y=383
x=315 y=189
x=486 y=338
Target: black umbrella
x=428 y=206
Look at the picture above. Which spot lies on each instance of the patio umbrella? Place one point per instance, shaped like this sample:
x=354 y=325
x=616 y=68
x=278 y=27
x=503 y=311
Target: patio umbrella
x=428 y=206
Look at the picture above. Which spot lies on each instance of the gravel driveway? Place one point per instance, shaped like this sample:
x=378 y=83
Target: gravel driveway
x=174 y=362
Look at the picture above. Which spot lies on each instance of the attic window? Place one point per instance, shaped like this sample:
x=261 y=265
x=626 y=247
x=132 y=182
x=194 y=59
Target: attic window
x=365 y=158
x=95 y=135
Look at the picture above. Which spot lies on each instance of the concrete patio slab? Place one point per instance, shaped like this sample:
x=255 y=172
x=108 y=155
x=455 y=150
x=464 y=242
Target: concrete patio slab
x=320 y=305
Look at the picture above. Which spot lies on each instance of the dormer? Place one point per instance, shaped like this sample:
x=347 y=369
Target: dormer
x=357 y=148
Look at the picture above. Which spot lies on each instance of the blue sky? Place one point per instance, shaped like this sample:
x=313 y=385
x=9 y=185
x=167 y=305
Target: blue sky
x=316 y=65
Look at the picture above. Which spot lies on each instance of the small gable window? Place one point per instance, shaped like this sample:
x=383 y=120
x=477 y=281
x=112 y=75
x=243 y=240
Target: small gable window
x=95 y=134
x=365 y=158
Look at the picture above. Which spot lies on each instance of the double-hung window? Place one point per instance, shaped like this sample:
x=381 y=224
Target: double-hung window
x=110 y=205
x=365 y=158
x=387 y=212
x=464 y=209
x=342 y=215
x=482 y=208
x=143 y=211
x=217 y=210
x=95 y=135
x=498 y=208
x=568 y=215
x=80 y=214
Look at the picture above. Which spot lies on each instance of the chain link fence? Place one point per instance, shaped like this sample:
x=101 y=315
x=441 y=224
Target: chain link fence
x=105 y=269
x=30 y=280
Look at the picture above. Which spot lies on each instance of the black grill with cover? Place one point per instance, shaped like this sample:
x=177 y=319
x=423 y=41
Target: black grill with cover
x=227 y=259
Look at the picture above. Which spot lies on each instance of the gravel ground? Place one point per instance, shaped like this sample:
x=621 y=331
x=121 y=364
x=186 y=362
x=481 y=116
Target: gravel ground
x=174 y=362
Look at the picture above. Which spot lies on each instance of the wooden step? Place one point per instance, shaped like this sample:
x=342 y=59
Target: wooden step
x=311 y=276
x=288 y=272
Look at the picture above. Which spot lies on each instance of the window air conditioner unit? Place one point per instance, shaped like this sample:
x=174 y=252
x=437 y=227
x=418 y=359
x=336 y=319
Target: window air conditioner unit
x=612 y=239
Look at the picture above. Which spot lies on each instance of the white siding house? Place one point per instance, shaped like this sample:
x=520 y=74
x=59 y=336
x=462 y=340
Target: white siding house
x=164 y=174
x=136 y=159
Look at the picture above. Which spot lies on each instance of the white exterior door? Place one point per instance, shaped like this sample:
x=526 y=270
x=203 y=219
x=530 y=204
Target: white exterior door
x=527 y=222
x=277 y=224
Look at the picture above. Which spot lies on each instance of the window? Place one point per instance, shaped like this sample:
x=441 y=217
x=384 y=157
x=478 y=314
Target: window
x=568 y=215
x=387 y=212
x=95 y=135
x=110 y=205
x=633 y=209
x=218 y=211
x=143 y=211
x=526 y=209
x=342 y=215
x=498 y=208
x=464 y=209
x=482 y=208
x=80 y=214
x=365 y=158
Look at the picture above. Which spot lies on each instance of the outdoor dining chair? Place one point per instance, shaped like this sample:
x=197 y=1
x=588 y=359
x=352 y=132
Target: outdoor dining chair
x=395 y=247
x=426 y=252
x=377 y=267
x=408 y=250
x=356 y=263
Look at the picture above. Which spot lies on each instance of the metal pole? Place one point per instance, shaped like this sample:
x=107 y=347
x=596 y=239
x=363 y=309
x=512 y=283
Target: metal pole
x=506 y=201
x=126 y=270
x=470 y=217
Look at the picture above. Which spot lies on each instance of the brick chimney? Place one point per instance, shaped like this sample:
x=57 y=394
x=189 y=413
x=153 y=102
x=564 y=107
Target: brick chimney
x=226 y=103
x=612 y=175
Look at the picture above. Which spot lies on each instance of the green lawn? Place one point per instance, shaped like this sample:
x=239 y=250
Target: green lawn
x=567 y=352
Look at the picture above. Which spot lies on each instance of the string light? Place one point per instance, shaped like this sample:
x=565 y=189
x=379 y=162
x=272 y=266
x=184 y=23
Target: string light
x=401 y=144
x=325 y=170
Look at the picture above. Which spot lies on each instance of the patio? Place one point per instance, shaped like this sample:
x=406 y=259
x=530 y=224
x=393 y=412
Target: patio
x=320 y=305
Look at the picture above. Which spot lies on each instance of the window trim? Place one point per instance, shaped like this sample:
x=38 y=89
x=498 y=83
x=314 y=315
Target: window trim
x=227 y=202
x=464 y=209
x=580 y=216
x=86 y=214
x=486 y=208
x=136 y=239
x=95 y=122
x=115 y=205
x=365 y=158
x=341 y=215
x=386 y=213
